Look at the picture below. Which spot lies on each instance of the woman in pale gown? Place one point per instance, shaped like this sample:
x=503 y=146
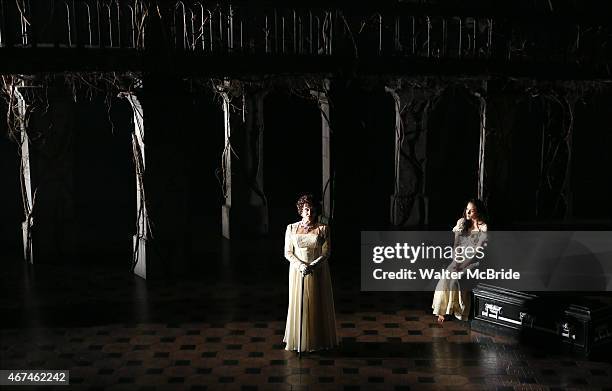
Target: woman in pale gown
x=307 y=248
x=470 y=230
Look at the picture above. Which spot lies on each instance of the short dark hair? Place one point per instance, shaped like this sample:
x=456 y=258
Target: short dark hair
x=306 y=199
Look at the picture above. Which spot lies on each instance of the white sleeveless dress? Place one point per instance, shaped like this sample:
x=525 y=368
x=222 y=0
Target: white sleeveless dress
x=449 y=298
x=319 y=317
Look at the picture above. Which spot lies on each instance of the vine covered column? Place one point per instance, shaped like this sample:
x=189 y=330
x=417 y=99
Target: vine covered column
x=413 y=102
x=480 y=93
x=24 y=177
x=166 y=211
x=322 y=96
x=41 y=119
x=245 y=210
x=139 y=241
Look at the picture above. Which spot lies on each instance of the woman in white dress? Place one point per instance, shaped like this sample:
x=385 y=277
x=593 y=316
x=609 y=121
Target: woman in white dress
x=307 y=248
x=470 y=230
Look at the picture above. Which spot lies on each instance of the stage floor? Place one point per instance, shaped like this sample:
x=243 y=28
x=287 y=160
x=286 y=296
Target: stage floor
x=218 y=323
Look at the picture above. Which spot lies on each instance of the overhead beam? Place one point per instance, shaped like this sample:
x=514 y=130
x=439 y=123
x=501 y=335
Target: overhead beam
x=41 y=60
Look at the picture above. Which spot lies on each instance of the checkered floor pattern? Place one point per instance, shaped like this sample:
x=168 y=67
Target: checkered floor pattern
x=223 y=331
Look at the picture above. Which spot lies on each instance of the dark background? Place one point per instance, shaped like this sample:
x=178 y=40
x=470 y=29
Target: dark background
x=191 y=119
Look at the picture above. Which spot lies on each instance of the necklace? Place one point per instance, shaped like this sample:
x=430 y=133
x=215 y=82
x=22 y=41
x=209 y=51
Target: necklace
x=307 y=226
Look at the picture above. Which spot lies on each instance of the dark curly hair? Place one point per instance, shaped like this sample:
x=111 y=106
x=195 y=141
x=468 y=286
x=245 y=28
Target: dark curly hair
x=306 y=199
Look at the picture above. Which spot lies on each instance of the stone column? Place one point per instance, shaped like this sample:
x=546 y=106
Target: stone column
x=322 y=96
x=245 y=211
x=412 y=104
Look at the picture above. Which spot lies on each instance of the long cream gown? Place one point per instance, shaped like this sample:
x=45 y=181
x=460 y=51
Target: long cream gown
x=449 y=298
x=319 y=317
